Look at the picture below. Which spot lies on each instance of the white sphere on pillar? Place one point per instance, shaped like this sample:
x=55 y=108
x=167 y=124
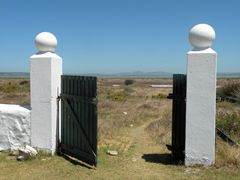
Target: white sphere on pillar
x=46 y=42
x=201 y=36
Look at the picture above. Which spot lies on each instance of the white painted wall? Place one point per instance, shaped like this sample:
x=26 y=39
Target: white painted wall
x=14 y=127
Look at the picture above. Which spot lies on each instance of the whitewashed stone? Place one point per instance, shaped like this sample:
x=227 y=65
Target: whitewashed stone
x=28 y=150
x=14 y=127
x=112 y=152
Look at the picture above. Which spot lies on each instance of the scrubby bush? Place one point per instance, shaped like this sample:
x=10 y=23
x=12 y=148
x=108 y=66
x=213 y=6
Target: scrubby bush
x=129 y=82
x=22 y=87
x=120 y=95
x=229 y=123
x=229 y=90
x=160 y=96
x=24 y=82
x=227 y=155
x=9 y=88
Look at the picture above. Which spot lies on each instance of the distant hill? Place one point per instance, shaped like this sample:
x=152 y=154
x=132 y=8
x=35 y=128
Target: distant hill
x=135 y=74
x=145 y=74
x=154 y=74
x=14 y=75
x=228 y=75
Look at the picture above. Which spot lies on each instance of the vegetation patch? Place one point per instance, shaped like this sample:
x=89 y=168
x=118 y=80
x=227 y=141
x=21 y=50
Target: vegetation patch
x=121 y=112
x=160 y=96
x=227 y=155
x=128 y=82
x=116 y=94
x=10 y=87
x=160 y=130
x=231 y=89
x=229 y=123
x=14 y=91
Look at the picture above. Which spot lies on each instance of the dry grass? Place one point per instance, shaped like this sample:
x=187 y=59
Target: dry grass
x=230 y=89
x=228 y=119
x=227 y=155
x=14 y=91
x=225 y=81
x=121 y=108
x=160 y=130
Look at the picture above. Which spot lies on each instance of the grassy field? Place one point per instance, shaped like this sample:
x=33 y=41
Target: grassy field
x=135 y=120
x=14 y=91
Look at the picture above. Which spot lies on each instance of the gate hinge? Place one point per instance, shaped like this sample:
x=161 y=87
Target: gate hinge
x=58 y=98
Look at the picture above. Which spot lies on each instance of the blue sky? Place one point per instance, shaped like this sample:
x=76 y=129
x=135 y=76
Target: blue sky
x=107 y=36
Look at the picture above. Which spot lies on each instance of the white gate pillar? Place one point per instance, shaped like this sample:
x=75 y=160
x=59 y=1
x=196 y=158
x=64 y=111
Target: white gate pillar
x=45 y=79
x=201 y=97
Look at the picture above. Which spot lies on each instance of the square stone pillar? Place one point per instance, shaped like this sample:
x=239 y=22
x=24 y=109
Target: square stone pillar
x=45 y=79
x=201 y=98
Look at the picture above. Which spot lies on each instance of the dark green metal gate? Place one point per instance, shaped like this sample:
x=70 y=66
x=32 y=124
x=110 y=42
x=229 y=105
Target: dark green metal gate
x=178 y=117
x=79 y=118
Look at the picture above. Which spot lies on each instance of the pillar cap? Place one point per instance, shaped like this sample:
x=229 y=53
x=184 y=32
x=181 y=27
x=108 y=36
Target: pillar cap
x=46 y=42
x=201 y=36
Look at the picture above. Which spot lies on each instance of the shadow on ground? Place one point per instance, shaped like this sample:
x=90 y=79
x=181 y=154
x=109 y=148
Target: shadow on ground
x=77 y=162
x=159 y=158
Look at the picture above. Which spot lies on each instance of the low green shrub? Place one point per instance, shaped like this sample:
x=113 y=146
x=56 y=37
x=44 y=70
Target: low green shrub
x=25 y=87
x=229 y=123
x=129 y=82
x=9 y=88
x=160 y=96
x=15 y=87
x=24 y=82
x=119 y=95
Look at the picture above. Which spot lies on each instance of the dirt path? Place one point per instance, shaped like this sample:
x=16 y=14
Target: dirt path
x=147 y=159
x=145 y=146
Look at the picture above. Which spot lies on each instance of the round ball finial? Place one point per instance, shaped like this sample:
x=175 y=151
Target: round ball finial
x=46 y=42
x=201 y=36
